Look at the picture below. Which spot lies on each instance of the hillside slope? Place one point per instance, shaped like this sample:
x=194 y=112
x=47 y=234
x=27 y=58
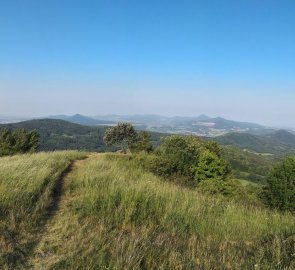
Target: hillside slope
x=113 y=215
x=261 y=144
x=63 y=135
x=248 y=165
x=283 y=136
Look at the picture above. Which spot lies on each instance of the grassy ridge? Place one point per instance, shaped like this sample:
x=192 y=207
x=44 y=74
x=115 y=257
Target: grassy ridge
x=117 y=216
x=26 y=186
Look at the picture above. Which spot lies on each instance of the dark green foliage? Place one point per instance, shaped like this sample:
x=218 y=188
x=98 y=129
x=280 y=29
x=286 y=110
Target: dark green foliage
x=6 y=142
x=214 y=147
x=158 y=165
x=279 y=192
x=195 y=163
x=230 y=188
x=182 y=153
x=142 y=142
x=18 y=141
x=190 y=158
x=210 y=166
x=122 y=135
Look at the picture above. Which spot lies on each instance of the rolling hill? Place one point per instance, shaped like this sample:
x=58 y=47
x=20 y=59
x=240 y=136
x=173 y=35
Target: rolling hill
x=58 y=134
x=283 y=136
x=276 y=143
x=62 y=135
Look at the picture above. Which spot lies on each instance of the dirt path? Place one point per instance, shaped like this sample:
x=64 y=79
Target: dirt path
x=61 y=198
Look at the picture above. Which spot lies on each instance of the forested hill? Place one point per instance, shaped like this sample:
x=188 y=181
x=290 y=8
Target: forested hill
x=62 y=135
x=277 y=143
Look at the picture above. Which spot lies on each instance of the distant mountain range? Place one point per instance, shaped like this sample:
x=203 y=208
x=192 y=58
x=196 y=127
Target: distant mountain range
x=82 y=120
x=200 y=125
x=61 y=134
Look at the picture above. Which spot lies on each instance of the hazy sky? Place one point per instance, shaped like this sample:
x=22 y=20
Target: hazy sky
x=232 y=58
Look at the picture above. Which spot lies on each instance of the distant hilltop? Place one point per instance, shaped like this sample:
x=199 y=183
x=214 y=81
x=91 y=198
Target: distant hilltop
x=201 y=125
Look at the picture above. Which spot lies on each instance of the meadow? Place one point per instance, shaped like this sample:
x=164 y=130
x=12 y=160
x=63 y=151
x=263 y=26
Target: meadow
x=27 y=186
x=111 y=214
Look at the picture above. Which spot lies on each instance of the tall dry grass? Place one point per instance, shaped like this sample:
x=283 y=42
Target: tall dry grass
x=27 y=183
x=118 y=216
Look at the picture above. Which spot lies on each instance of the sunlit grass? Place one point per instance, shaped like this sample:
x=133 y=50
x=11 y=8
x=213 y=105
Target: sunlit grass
x=26 y=186
x=119 y=217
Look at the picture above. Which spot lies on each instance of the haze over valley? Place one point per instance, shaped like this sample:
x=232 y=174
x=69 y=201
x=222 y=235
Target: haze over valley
x=202 y=125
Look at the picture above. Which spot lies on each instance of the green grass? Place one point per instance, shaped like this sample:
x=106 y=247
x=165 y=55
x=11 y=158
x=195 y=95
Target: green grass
x=116 y=216
x=111 y=214
x=26 y=186
x=245 y=183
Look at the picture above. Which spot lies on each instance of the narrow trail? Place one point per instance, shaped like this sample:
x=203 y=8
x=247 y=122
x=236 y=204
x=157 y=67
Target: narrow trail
x=61 y=199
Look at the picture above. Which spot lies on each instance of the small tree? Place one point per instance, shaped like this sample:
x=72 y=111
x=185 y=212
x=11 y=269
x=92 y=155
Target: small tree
x=280 y=189
x=182 y=153
x=122 y=135
x=210 y=166
x=18 y=141
x=25 y=141
x=6 y=142
x=142 y=142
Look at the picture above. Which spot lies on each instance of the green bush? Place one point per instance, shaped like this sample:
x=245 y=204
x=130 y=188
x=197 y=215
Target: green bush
x=18 y=141
x=210 y=166
x=182 y=152
x=229 y=188
x=280 y=189
x=187 y=160
x=142 y=142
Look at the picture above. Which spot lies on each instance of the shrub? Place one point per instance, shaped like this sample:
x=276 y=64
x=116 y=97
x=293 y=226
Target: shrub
x=279 y=191
x=142 y=142
x=210 y=166
x=230 y=188
x=190 y=159
x=182 y=153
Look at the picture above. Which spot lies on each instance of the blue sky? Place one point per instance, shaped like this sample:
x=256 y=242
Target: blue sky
x=230 y=58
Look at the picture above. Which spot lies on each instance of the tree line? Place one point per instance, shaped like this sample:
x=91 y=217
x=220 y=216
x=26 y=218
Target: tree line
x=18 y=141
